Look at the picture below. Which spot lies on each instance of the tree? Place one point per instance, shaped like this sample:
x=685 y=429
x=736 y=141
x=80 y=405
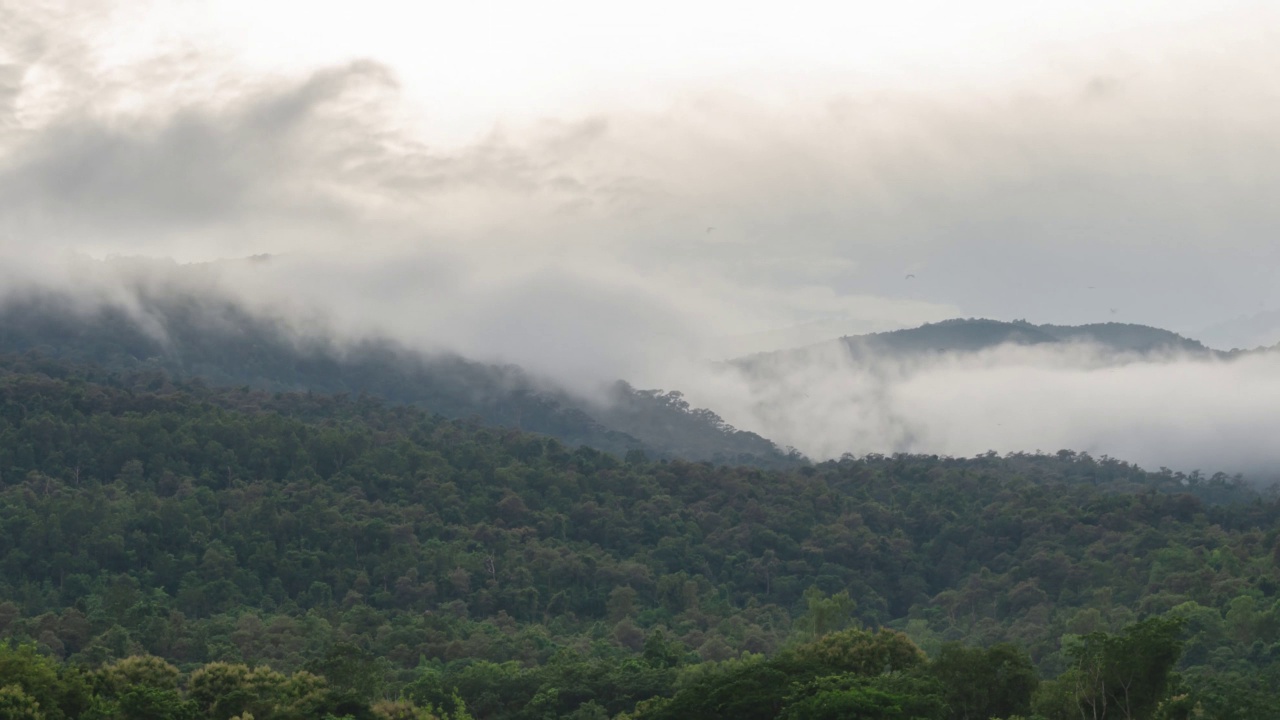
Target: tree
x=659 y=652
x=18 y=705
x=825 y=614
x=860 y=652
x=141 y=687
x=1126 y=675
x=347 y=667
x=138 y=670
x=27 y=675
x=747 y=688
x=985 y=683
x=885 y=697
x=146 y=703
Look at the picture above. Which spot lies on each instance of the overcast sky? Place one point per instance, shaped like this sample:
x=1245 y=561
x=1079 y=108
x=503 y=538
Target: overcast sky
x=1010 y=155
x=588 y=187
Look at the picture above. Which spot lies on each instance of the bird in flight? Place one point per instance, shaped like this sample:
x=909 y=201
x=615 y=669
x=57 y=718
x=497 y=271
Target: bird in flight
x=910 y=276
x=709 y=228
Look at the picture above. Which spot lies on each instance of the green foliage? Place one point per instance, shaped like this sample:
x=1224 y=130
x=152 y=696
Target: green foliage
x=224 y=345
x=284 y=555
x=16 y=704
x=143 y=703
x=1130 y=671
x=1128 y=675
x=347 y=667
x=34 y=683
x=885 y=697
x=142 y=688
x=840 y=673
x=744 y=691
x=825 y=614
x=138 y=671
x=985 y=683
x=860 y=652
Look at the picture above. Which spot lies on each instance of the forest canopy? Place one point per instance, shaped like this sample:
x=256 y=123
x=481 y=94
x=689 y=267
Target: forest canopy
x=339 y=551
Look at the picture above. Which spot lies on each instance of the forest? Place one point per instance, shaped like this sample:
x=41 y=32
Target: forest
x=221 y=342
x=174 y=550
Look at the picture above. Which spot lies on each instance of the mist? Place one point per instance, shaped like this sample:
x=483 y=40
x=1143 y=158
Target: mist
x=1185 y=413
x=650 y=240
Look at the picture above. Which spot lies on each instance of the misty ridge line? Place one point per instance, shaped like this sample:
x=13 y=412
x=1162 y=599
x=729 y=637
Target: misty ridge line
x=1175 y=404
x=1164 y=405
x=223 y=340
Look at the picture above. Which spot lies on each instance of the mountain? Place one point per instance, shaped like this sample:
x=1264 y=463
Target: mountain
x=1128 y=338
x=221 y=343
x=975 y=335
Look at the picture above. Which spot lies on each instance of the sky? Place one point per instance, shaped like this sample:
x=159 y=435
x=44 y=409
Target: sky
x=597 y=190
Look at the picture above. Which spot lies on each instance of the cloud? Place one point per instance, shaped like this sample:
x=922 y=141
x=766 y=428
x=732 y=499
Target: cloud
x=1137 y=174
x=1181 y=412
x=197 y=177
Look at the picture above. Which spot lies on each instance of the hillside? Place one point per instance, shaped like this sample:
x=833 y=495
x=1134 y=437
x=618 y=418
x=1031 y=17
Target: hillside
x=143 y=514
x=1127 y=337
x=975 y=335
x=192 y=336
x=949 y=336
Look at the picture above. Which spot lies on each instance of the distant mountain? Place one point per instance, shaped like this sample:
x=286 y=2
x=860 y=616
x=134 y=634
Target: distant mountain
x=189 y=336
x=950 y=336
x=1128 y=337
x=975 y=335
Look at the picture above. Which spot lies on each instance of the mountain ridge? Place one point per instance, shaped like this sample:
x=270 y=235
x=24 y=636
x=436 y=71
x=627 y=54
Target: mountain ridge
x=965 y=335
x=224 y=344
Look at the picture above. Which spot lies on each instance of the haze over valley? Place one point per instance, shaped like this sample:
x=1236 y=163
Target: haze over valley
x=955 y=387
x=514 y=361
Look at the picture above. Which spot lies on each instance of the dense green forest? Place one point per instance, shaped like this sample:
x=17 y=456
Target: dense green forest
x=211 y=337
x=174 y=550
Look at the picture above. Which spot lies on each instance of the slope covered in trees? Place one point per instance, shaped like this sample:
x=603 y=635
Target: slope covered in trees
x=188 y=334
x=395 y=552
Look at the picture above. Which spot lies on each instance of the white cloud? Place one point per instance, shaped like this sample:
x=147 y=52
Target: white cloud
x=1181 y=412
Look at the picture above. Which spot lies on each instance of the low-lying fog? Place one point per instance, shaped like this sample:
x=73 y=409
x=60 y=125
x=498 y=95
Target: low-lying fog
x=1181 y=412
